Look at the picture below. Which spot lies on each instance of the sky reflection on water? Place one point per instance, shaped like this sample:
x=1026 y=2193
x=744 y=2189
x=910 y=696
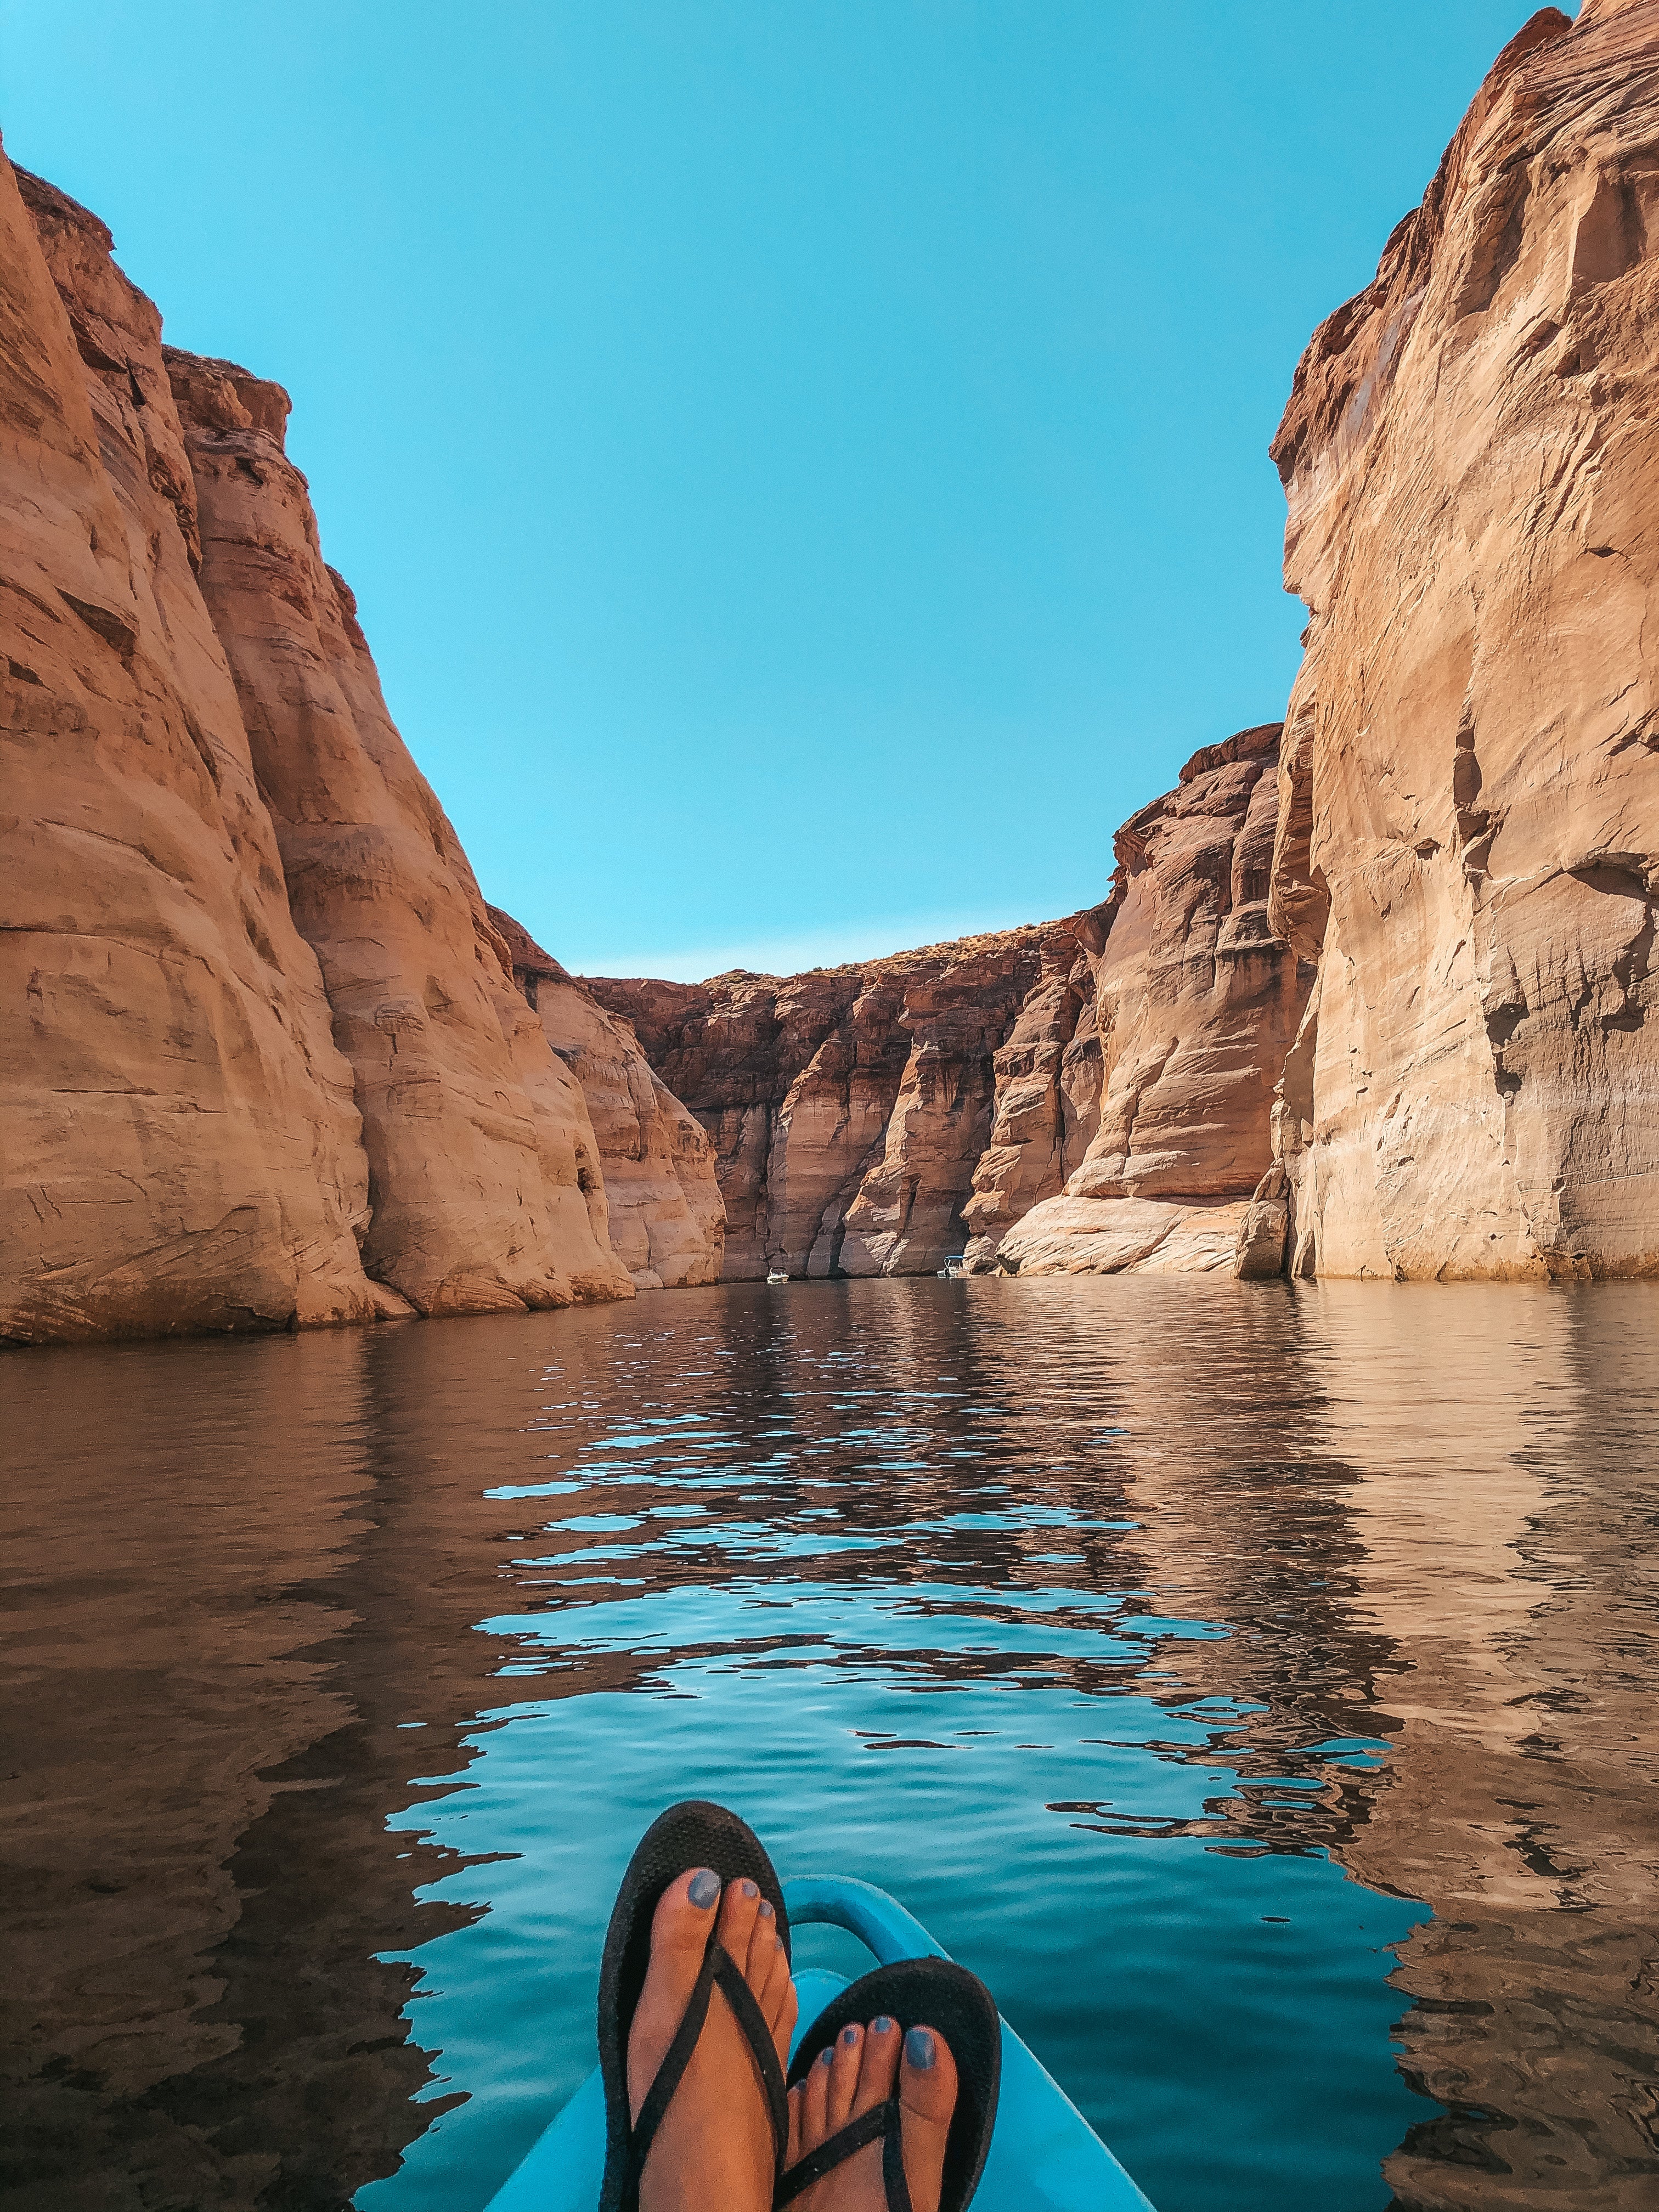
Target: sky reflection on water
x=1253 y=1684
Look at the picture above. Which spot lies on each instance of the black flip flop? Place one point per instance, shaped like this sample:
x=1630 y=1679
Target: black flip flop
x=685 y=1838
x=915 y=1992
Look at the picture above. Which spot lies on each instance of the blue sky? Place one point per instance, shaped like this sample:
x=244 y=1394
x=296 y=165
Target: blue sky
x=801 y=463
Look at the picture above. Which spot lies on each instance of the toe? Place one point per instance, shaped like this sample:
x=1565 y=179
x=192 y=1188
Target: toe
x=739 y=1908
x=764 y=1943
x=927 y=2097
x=679 y=1937
x=796 y=2148
x=843 y=2075
x=684 y=1916
x=927 y=2077
x=878 y=2064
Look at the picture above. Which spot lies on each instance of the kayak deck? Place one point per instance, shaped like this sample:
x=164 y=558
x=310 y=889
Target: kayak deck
x=1044 y=2157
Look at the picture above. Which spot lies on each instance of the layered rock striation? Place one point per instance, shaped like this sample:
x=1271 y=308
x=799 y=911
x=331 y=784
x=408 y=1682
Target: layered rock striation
x=1195 y=999
x=264 y=1063
x=665 y=1218
x=1048 y=1075
x=1087 y=1095
x=1468 y=841
x=476 y=1135
x=849 y=1108
x=182 y=1148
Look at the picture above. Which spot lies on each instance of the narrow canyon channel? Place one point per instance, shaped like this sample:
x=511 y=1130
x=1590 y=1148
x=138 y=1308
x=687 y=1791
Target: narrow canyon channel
x=1257 y=1686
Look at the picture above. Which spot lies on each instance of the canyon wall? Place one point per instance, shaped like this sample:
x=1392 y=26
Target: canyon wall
x=1370 y=996
x=1468 y=844
x=665 y=1218
x=476 y=1135
x=181 y=1150
x=1195 y=1003
x=262 y=1063
x=1084 y=1095
x=847 y=1107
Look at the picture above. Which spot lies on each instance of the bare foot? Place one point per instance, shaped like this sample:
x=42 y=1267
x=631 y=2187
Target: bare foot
x=714 y=2146
x=857 y=2073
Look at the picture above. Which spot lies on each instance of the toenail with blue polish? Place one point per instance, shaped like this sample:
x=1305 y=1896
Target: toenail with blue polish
x=748 y=1889
x=849 y=2036
x=702 y=1889
x=919 y=2048
x=766 y=1909
x=881 y=2025
x=825 y=2056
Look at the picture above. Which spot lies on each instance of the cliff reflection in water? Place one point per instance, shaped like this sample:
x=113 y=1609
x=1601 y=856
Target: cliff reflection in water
x=1110 y=1623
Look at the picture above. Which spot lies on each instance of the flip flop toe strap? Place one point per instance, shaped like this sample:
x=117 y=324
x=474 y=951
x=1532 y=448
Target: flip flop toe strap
x=883 y=2120
x=718 y=1967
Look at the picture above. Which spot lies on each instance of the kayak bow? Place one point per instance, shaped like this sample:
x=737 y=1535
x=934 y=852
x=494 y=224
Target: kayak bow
x=1045 y=2157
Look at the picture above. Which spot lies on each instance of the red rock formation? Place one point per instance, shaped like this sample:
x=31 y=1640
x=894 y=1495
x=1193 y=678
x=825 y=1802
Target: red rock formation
x=1087 y=1095
x=1450 y=985
x=849 y=1106
x=910 y=1213
x=1470 y=841
x=1048 y=1078
x=181 y=1148
x=471 y=1124
x=649 y=1169
x=732 y=1048
x=1197 y=1002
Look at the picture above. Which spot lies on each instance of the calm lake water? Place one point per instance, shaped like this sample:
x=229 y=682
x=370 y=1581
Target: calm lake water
x=1256 y=1684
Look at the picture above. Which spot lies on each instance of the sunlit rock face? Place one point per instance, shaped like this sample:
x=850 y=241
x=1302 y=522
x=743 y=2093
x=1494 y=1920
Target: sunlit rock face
x=1470 y=838
x=470 y=1123
x=1195 y=1001
x=849 y=1108
x=647 y=1167
x=911 y=1210
x=181 y=1147
x=264 y=1063
x=1048 y=1077
x=1082 y=1096
x=732 y=1049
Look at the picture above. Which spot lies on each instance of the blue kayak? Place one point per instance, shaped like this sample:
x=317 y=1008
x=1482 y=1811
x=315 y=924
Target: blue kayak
x=1044 y=2157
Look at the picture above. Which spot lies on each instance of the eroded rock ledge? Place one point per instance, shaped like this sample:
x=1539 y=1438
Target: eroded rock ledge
x=849 y=1108
x=666 y=1220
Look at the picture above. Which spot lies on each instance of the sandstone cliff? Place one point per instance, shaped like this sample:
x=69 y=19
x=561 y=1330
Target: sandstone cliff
x=208 y=1110
x=666 y=1221
x=181 y=1148
x=1195 y=1002
x=1371 y=998
x=1087 y=1095
x=472 y=1127
x=849 y=1108
x=732 y=1049
x=1469 y=839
